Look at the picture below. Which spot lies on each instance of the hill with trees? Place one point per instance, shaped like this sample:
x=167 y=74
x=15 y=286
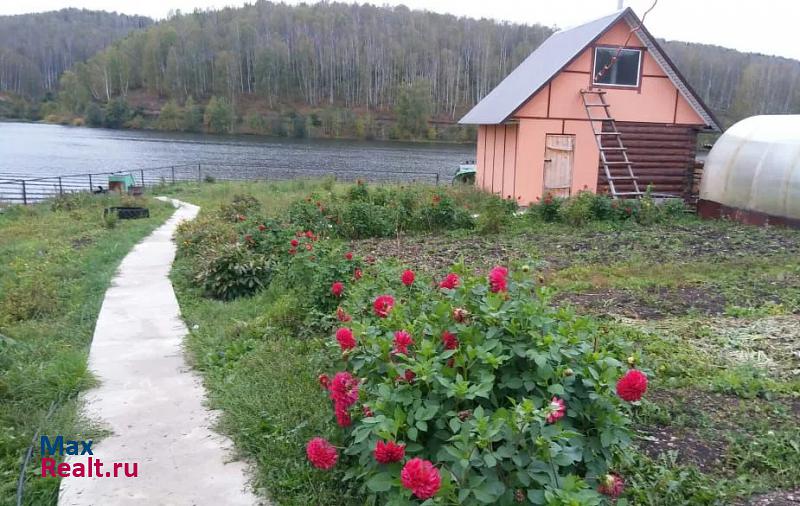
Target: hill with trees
x=344 y=70
x=35 y=49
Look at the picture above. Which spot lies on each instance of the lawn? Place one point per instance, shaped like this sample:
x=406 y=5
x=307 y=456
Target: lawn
x=712 y=308
x=57 y=261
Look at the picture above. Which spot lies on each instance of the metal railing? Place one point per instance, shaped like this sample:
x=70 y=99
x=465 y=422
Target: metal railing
x=17 y=189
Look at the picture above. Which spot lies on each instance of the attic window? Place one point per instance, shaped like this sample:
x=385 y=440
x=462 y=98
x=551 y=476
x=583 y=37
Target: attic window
x=625 y=72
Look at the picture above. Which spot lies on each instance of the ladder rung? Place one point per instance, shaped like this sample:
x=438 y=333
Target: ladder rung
x=629 y=193
x=598 y=105
x=621 y=178
x=613 y=149
x=608 y=133
x=595 y=92
x=619 y=163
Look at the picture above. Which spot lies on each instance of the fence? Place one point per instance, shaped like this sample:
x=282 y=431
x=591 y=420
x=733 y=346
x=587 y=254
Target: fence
x=17 y=189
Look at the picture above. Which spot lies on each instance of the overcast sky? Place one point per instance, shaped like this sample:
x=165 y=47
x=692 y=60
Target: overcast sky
x=763 y=26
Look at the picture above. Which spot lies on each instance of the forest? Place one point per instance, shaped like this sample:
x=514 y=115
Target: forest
x=322 y=70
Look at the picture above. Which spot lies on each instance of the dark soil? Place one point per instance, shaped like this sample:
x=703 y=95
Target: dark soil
x=562 y=247
x=692 y=449
x=653 y=304
x=436 y=254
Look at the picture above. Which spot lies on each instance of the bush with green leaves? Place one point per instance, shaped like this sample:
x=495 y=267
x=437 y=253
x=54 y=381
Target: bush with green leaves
x=547 y=210
x=578 y=210
x=507 y=398
x=495 y=215
x=203 y=233
x=241 y=205
x=229 y=271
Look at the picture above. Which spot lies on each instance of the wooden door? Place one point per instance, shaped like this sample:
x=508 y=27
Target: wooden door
x=558 y=160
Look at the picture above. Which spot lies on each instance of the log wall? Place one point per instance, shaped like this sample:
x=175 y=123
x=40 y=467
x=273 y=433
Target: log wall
x=662 y=155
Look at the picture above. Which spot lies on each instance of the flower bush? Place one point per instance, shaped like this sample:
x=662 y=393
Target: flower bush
x=477 y=392
x=231 y=270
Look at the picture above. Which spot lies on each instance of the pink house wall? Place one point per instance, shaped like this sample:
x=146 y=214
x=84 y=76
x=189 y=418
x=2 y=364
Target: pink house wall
x=558 y=109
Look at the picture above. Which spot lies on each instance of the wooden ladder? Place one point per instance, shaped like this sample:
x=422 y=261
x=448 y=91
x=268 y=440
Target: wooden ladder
x=615 y=134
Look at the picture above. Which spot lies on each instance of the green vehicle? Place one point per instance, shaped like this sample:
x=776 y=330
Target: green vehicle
x=465 y=173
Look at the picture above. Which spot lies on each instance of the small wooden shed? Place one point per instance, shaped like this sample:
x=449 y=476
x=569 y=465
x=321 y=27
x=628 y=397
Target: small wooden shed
x=598 y=107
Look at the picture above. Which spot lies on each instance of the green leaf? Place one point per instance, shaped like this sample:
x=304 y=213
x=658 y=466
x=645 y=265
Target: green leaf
x=381 y=482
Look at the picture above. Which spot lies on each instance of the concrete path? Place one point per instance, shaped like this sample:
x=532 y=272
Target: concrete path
x=149 y=398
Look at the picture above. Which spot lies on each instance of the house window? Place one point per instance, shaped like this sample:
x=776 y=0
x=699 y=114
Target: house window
x=625 y=72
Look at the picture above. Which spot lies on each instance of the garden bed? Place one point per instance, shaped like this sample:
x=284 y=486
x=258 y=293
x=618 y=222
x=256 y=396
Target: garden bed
x=709 y=308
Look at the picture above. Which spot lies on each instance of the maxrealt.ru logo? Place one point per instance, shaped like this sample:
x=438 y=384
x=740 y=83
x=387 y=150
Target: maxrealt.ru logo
x=91 y=468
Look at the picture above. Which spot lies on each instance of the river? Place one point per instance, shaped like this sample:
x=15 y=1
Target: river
x=38 y=150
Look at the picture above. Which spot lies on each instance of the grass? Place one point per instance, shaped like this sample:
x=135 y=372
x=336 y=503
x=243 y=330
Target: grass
x=57 y=262
x=713 y=309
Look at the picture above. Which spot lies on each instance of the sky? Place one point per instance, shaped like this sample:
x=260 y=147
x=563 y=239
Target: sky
x=763 y=26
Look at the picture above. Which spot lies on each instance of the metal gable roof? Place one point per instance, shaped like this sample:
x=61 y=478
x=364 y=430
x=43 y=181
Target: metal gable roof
x=557 y=52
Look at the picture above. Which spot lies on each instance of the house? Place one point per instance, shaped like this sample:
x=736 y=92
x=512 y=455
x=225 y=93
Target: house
x=535 y=135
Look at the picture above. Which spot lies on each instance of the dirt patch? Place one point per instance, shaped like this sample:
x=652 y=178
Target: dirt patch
x=81 y=242
x=778 y=498
x=652 y=304
x=691 y=448
x=436 y=254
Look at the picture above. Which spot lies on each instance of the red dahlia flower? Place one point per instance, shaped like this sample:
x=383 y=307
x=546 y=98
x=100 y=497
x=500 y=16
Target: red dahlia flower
x=344 y=388
x=409 y=375
x=345 y=338
x=389 y=452
x=366 y=411
x=309 y=234
x=240 y=217
x=348 y=255
x=407 y=278
x=370 y=259
x=337 y=289
x=449 y=340
x=557 y=410
x=342 y=415
x=292 y=251
x=341 y=315
x=321 y=453
x=450 y=281
x=497 y=279
x=357 y=274
x=421 y=477
x=248 y=238
x=383 y=305
x=402 y=340
x=611 y=485
x=324 y=381
x=294 y=243
x=262 y=228
x=632 y=386
x=309 y=247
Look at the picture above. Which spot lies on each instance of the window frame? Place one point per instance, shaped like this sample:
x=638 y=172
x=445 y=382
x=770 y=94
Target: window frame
x=638 y=50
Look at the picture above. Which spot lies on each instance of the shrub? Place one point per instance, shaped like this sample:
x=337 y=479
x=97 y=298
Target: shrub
x=578 y=210
x=495 y=215
x=308 y=214
x=203 y=233
x=673 y=209
x=357 y=192
x=232 y=270
x=510 y=399
x=360 y=220
x=241 y=204
x=649 y=211
x=547 y=209
x=601 y=207
x=441 y=212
